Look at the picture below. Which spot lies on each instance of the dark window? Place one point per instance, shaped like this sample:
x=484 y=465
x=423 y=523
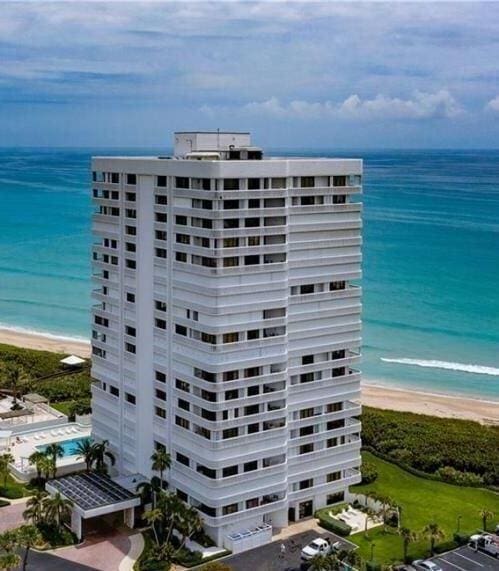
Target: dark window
x=161 y=395
x=250 y=466
x=307 y=359
x=181 y=330
x=131 y=179
x=130 y=297
x=181 y=459
x=339 y=180
x=160 y=217
x=251 y=260
x=181 y=182
x=161 y=199
x=130 y=398
x=339 y=199
x=253 y=183
x=161 y=412
x=181 y=220
x=231 y=184
x=180 y=256
x=114 y=391
x=161 y=181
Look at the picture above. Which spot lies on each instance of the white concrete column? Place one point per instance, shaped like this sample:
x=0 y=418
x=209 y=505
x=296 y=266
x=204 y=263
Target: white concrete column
x=76 y=525
x=129 y=517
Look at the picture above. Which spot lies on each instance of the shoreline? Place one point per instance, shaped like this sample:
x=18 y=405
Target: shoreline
x=374 y=394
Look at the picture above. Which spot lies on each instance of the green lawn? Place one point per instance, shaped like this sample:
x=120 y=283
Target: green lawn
x=13 y=490
x=63 y=406
x=422 y=501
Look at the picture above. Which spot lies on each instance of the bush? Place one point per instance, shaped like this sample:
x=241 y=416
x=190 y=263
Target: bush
x=369 y=473
x=461 y=538
x=445 y=546
x=57 y=537
x=188 y=558
x=12 y=492
x=429 y=444
x=449 y=474
x=203 y=539
x=372 y=566
x=332 y=524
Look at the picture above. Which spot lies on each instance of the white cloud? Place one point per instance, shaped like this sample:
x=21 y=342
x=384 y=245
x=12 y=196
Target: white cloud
x=420 y=106
x=493 y=104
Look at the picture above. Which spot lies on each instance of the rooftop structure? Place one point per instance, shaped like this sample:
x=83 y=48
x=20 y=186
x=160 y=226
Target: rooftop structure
x=227 y=326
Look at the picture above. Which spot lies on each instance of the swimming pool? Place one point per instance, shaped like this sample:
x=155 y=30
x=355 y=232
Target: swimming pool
x=69 y=447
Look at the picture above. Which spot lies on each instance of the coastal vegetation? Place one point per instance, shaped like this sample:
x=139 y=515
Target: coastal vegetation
x=457 y=451
x=432 y=513
x=29 y=370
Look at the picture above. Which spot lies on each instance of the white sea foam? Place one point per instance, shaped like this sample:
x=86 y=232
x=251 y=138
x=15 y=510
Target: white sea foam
x=464 y=367
x=46 y=334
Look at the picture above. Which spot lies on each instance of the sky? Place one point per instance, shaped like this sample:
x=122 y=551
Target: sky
x=295 y=74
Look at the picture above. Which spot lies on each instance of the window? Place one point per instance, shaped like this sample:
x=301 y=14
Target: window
x=231 y=223
x=131 y=230
x=231 y=242
x=181 y=459
x=181 y=182
x=336 y=286
x=251 y=260
x=307 y=181
x=252 y=503
x=181 y=257
x=307 y=288
x=130 y=247
x=306 y=448
x=161 y=412
x=278 y=182
x=130 y=297
x=182 y=385
x=335 y=498
x=231 y=204
x=251 y=222
x=181 y=330
x=275 y=220
x=253 y=334
x=130 y=331
x=160 y=253
x=183 y=238
x=250 y=466
x=115 y=177
x=159 y=305
x=333 y=477
x=339 y=180
x=230 y=375
x=231 y=395
x=230 y=433
x=161 y=199
x=130 y=348
x=273 y=313
x=231 y=262
x=130 y=398
x=307 y=359
x=339 y=199
x=159 y=376
x=131 y=179
x=205 y=471
x=231 y=184
x=254 y=203
x=160 y=217
x=229 y=471
x=253 y=428
x=338 y=354
x=114 y=391
x=253 y=183
x=130 y=196
x=161 y=395
x=182 y=422
x=253 y=240
x=131 y=264
x=181 y=220
x=161 y=181
x=160 y=323
x=304 y=484
x=230 y=509
x=306 y=413
x=130 y=213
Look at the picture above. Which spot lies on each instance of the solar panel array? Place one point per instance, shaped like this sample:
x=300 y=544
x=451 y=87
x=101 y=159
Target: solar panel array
x=90 y=491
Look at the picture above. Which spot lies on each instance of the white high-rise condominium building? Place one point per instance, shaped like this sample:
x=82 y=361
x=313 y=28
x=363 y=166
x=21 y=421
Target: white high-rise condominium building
x=228 y=325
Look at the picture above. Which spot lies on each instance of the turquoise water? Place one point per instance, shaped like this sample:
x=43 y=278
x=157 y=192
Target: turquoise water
x=431 y=259
x=69 y=447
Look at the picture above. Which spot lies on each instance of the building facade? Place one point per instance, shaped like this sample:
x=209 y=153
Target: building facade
x=227 y=325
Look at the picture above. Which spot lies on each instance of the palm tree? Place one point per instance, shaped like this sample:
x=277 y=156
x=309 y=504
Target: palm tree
x=35 y=507
x=47 y=466
x=161 y=461
x=434 y=533
x=189 y=523
x=408 y=537
x=54 y=451
x=15 y=376
x=8 y=541
x=369 y=513
x=149 y=490
x=485 y=514
x=325 y=563
x=5 y=460
x=27 y=537
x=85 y=449
x=56 y=508
x=34 y=460
x=386 y=504
x=152 y=517
x=101 y=452
x=350 y=558
x=9 y=561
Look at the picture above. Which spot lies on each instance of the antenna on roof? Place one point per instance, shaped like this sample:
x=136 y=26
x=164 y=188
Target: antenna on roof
x=218 y=137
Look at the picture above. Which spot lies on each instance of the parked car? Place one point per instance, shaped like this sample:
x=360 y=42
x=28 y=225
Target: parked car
x=319 y=546
x=425 y=565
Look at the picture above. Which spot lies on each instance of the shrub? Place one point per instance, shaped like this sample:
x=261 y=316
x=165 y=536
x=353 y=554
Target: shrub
x=11 y=492
x=449 y=474
x=372 y=566
x=188 y=558
x=445 y=546
x=332 y=524
x=461 y=538
x=369 y=473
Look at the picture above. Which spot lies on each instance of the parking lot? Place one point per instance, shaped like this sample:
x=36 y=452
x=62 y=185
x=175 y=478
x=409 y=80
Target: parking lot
x=269 y=558
x=466 y=559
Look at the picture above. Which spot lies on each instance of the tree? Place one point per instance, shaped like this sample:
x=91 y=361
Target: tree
x=8 y=541
x=47 y=466
x=485 y=514
x=9 y=561
x=35 y=507
x=85 y=449
x=15 y=376
x=386 y=505
x=36 y=460
x=54 y=451
x=434 y=533
x=5 y=460
x=152 y=517
x=161 y=461
x=370 y=514
x=325 y=563
x=350 y=557
x=408 y=537
x=101 y=452
x=27 y=537
x=216 y=566
x=56 y=508
x=150 y=490
x=189 y=523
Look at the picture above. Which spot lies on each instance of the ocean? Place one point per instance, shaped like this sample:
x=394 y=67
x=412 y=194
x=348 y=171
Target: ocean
x=431 y=259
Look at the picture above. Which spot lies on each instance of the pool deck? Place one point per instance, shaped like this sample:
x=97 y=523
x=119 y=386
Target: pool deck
x=24 y=444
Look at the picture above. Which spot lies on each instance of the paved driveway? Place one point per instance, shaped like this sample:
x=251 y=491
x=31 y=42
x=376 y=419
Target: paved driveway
x=268 y=557
x=12 y=516
x=466 y=559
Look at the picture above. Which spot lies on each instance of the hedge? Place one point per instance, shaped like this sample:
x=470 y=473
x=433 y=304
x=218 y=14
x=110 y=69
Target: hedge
x=332 y=524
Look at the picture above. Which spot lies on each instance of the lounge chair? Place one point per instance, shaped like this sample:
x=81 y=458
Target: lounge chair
x=69 y=431
x=53 y=432
x=37 y=437
x=75 y=430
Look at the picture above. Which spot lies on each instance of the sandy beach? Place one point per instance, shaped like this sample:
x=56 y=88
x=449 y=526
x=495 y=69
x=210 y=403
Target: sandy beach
x=44 y=343
x=450 y=406
x=484 y=411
